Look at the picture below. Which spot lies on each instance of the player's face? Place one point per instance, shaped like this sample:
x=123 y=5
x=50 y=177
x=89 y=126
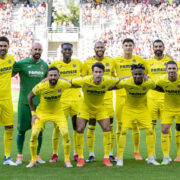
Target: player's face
x=158 y=49
x=53 y=77
x=97 y=74
x=67 y=51
x=36 y=51
x=172 y=70
x=99 y=49
x=138 y=75
x=128 y=47
x=3 y=48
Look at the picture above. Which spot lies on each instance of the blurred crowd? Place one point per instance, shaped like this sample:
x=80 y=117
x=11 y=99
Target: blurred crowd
x=141 y=21
x=19 y=27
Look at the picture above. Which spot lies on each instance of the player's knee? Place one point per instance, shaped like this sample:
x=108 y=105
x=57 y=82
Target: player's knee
x=124 y=132
x=106 y=128
x=92 y=122
x=177 y=127
x=149 y=131
x=35 y=134
x=80 y=129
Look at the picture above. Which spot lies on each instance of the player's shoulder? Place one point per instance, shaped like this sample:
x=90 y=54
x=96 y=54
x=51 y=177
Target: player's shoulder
x=43 y=62
x=56 y=62
x=164 y=78
x=76 y=61
x=10 y=58
x=137 y=58
x=118 y=58
x=89 y=60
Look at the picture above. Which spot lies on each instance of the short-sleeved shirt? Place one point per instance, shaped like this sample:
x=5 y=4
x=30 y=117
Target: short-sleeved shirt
x=94 y=94
x=50 y=96
x=155 y=69
x=109 y=70
x=6 y=66
x=69 y=70
x=123 y=68
x=30 y=73
x=172 y=92
x=136 y=94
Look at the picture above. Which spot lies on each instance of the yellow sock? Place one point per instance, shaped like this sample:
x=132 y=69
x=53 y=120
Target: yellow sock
x=136 y=139
x=112 y=137
x=150 y=142
x=165 y=144
x=107 y=143
x=80 y=144
x=34 y=143
x=154 y=133
x=170 y=137
x=74 y=141
x=8 y=135
x=91 y=137
x=55 y=140
x=177 y=138
x=122 y=142
x=66 y=143
x=118 y=132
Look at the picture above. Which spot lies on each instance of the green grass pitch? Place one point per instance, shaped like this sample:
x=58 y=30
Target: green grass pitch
x=131 y=170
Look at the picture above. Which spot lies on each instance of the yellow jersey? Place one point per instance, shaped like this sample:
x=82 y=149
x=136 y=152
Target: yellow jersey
x=136 y=94
x=109 y=70
x=94 y=94
x=50 y=96
x=155 y=69
x=6 y=66
x=172 y=93
x=123 y=68
x=69 y=70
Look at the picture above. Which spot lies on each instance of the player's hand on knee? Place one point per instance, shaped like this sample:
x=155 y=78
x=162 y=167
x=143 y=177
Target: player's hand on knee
x=34 y=117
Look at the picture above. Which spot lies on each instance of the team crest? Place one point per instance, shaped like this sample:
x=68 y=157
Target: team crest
x=42 y=67
x=59 y=90
x=134 y=61
x=103 y=87
x=74 y=65
x=122 y=61
x=60 y=66
x=9 y=61
x=178 y=86
x=107 y=64
x=144 y=88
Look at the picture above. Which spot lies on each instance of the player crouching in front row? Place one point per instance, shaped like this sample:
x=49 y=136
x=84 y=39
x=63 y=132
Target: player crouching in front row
x=49 y=109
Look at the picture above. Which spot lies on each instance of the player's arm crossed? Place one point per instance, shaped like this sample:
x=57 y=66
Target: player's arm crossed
x=159 y=88
x=31 y=105
x=114 y=87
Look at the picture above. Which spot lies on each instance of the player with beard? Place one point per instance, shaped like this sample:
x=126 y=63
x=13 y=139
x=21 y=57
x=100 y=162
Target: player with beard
x=31 y=71
x=49 y=109
x=171 y=85
x=99 y=49
x=156 y=67
x=69 y=69
x=6 y=107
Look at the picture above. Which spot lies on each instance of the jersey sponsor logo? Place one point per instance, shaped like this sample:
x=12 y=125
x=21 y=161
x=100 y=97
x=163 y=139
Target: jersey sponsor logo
x=74 y=65
x=158 y=70
x=107 y=70
x=36 y=73
x=9 y=61
x=6 y=68
x=52 y=97
x=173 y=91
x=68 y=72
x=95 y=92
x=125 y=66
x=137 y=94
x=107 y=64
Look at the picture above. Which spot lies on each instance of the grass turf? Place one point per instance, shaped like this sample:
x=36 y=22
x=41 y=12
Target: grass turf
x=94 y=171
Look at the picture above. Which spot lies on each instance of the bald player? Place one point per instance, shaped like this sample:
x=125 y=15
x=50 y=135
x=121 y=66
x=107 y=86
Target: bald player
x=31 y=71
